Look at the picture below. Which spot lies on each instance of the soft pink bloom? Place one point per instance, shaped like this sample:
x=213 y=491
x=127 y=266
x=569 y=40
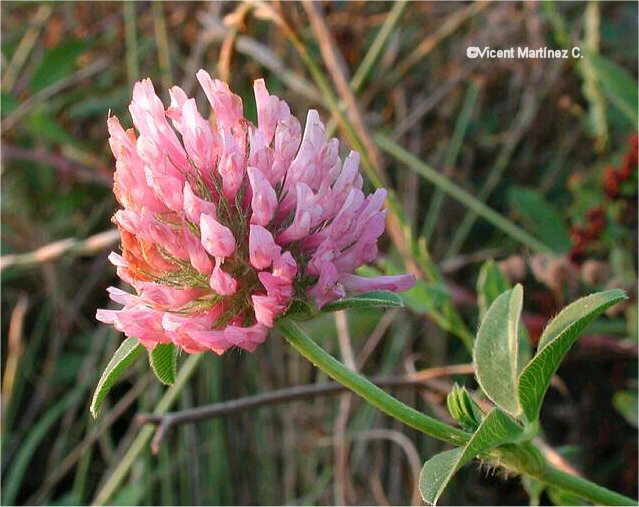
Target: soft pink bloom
x=225 y=222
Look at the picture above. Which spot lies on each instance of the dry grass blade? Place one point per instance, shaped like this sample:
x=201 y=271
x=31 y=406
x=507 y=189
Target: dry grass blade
x=26 y=45
x=15 y=347
x=337 y=69
x=57 y=249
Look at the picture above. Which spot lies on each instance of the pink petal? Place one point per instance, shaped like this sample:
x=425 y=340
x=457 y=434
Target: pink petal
x=395 y=283
x=270 y=110
x=264 y=201
x=262 y=247
x=221 y=282
x=277 y=287
x=327 y=289
x=285 y=266
x=194 y=206
x=216 y=238
x=198 y=256
x=232 y=166
x=247 y=338
x=226 y=105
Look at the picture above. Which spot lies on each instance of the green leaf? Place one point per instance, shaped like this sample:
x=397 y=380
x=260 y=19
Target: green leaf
x=163 y=359
x=490 y=284
x=495 y=430
x=618 y=85
x=127 y=352
x=437 y=473
x=540 y=217
x=496 y=350
x=377 y=299
x=555 y=342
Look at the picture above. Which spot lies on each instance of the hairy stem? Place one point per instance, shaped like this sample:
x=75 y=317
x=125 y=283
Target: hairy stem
x=428 y=425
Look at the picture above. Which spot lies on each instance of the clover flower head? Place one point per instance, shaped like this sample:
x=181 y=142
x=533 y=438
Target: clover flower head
x=225 y=223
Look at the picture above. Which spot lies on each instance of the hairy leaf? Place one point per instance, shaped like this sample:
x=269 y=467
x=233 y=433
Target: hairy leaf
x=555 y=342
x=496 y=350
x=127 y=352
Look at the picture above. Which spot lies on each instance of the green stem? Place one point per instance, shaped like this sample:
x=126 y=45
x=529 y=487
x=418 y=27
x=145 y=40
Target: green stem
x=140 y=442
x=426 y=424
x=583 y=488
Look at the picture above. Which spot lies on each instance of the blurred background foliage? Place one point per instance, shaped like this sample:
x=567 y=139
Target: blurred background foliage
x=549 y=144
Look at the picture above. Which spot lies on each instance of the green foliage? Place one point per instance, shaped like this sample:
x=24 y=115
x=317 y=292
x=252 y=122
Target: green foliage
x=555 y=342
x=496 y=350
x=463 y=408
x=376 y=299
x=618 y=85
x=496 y=370
x=495 y=430
x=124 y=357
x=540 y=217
x=163 y=360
